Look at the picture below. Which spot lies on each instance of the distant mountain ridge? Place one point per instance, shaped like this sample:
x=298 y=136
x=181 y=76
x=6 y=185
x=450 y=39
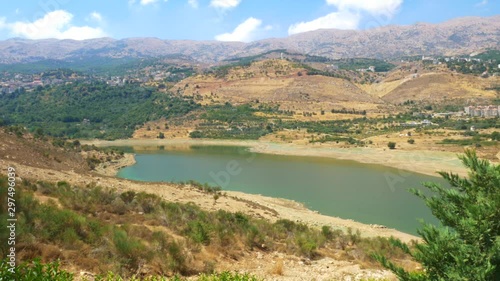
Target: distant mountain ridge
x=458 y=36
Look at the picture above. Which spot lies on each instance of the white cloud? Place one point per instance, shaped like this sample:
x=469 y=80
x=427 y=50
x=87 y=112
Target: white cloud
x=225 y=4
x=56 y=24
x=95 y=16
x=339 y=20
x=147 y=2
x=349 y=14
x=376 y=7
x=81 y=33
x=144 y=2
x=193 y=3
x=245 y=32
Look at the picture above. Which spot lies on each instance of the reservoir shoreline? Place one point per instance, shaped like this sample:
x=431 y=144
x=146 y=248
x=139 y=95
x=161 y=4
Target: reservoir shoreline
x=417 y=161
x=423 y=162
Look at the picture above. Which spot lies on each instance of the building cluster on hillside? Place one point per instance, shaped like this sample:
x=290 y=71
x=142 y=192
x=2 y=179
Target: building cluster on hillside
x=370 y=68
x=11 y=82
x=424 y=123
x=483 y=111
x=447 y=114
x=434 y=60
x=458 y=59
x=452 y=59
x=115 y=81
x=440 y=60
x=332 y=67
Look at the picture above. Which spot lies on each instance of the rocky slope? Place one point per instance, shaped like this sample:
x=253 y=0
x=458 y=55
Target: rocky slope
x=458 y=36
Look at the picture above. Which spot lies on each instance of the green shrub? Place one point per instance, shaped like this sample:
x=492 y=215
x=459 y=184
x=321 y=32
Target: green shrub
x=307 y=245
x=130 y=249
x=391 y=145
x=227 y=276
x=34 y=271
x=176 y=257
x=466 y=244
x=198 y=232
x=327 y=232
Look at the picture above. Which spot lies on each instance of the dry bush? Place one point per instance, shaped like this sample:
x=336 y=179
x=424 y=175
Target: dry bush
x=51 y=252
x=277 y=268
x=29 y=251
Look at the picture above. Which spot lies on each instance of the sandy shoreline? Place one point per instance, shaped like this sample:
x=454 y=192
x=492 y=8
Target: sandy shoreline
x=111 y=169
x=424 y=162
x=418 y=161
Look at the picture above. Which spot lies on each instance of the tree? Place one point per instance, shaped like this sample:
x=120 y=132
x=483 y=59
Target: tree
x=467 y=246
x=391 y=145
x=161 y=135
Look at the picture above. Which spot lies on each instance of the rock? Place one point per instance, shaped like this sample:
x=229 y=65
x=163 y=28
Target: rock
x=378 y=226
x=87 y=276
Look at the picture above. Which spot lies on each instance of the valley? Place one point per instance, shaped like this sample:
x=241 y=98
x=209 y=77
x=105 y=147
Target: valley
x=277 y=159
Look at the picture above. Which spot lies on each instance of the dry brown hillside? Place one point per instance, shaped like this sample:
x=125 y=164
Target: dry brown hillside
x=281 y=82
x=439 y=87
x=287 y=84
x=39 y=153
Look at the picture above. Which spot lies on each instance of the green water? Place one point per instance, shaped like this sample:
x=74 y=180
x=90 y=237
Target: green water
x=366 y=193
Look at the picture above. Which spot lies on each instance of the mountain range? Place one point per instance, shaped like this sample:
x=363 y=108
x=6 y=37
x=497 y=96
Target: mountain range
x=456 y=37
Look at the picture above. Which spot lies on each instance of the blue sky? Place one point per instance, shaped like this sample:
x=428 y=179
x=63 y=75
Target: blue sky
x=224 y=20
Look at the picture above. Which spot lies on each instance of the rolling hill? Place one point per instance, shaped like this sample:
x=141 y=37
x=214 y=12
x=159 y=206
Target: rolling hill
x=289 y=85
x=277 y=82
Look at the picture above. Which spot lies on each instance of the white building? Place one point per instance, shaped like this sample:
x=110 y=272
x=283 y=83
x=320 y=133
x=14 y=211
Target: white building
x=483 y=111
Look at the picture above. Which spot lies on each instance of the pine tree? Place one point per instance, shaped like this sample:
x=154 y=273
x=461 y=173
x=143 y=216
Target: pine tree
x=467 y=246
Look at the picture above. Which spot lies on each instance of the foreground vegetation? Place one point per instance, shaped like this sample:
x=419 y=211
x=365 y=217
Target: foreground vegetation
x=102 y=230
x=37 y=271
x=467 y=246
x=140 y=235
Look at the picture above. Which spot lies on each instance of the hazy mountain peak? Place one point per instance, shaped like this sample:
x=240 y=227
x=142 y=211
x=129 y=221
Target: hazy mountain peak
x=458 y=36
